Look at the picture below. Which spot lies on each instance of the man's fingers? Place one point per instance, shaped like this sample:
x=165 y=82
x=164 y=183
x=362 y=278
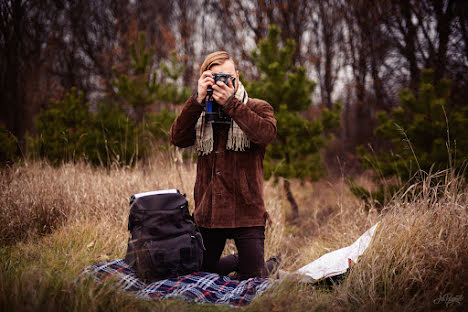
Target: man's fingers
x=206 y=83
x=219 y=98
x=222 y=85
x=218 y=88
x=206 y=73
x=208 y=80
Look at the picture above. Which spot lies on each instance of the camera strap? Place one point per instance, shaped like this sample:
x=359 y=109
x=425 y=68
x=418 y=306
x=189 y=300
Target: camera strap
x=209 y=105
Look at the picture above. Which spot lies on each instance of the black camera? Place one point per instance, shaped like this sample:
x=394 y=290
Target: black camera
x=214 y=111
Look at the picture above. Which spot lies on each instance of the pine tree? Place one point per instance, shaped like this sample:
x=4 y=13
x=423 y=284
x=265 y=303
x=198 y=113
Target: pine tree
x=8 y=146
x=114 y=138
x=426 y=133
x=295 y=152
x=69 y=131
x=170 y=90
x=141 y=88
x=62 y=128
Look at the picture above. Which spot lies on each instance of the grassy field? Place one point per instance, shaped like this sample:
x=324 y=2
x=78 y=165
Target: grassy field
x=56 y=221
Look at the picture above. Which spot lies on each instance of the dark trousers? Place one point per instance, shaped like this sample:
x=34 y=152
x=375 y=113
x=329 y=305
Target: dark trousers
x=249 y=262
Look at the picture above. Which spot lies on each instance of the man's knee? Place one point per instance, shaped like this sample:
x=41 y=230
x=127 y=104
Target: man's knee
x=250 y=245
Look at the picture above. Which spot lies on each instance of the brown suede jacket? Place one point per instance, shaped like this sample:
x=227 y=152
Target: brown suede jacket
x=229 y=185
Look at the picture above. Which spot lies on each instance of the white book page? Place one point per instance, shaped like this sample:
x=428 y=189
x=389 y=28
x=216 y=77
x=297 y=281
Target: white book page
x=170 y=191
x=337 y=262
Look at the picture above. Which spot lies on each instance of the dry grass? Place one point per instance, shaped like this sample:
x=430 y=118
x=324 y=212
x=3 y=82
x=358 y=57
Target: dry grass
x=418 y=260
x=39 y=198
x=419 y=255
x=56 y=221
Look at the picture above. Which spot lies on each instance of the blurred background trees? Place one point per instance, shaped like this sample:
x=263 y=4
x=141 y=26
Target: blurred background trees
x=357 y=52
x=296 y=151
x=426 y=136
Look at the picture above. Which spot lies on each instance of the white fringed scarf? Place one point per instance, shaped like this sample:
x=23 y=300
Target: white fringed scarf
x=236 y=141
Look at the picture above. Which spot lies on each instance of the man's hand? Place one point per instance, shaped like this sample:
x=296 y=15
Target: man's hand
x=222 y=92
x=206 y=79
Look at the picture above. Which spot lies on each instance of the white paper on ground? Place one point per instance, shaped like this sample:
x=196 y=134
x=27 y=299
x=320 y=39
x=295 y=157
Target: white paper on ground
x=336 y=262
x=155 y=193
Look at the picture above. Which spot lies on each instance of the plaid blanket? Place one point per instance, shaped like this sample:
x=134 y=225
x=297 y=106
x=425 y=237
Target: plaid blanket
x=200 y=287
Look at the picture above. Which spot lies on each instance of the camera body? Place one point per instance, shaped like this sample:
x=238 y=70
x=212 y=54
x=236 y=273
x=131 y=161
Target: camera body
x=214 y=111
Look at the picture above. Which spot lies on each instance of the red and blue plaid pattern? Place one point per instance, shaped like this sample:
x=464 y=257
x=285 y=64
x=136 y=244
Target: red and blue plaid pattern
x=200 y=287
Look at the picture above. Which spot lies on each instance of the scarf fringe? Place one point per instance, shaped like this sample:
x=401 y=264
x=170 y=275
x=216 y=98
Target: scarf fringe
x=237 y=142
x=205 y=147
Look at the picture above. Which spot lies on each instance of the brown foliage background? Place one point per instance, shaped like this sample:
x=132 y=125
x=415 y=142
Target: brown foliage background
x=359 y=52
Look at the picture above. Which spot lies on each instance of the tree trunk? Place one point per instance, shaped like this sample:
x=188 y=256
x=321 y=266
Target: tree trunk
x=292 y=201
x=139 y=113
x=409 y=50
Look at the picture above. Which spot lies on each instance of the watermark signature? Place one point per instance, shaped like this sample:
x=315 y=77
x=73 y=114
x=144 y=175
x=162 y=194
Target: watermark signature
x=448 y=299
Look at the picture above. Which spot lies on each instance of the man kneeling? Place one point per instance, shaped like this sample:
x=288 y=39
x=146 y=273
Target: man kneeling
x=230 y=132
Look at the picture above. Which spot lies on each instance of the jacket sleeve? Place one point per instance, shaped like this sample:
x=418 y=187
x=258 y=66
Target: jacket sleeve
x=182 y=132
x=256 y=119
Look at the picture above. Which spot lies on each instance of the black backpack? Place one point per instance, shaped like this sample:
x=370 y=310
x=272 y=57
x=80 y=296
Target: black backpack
x=164 y=242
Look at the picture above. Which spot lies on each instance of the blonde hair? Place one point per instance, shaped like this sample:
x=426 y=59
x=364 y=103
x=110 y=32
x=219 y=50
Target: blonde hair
x=215 y=58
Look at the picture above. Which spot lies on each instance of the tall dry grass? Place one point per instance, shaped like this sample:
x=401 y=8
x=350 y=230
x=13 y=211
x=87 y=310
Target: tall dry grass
x=420 y=254
x=417 y=261
x=56 y=221
x=38 y=198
